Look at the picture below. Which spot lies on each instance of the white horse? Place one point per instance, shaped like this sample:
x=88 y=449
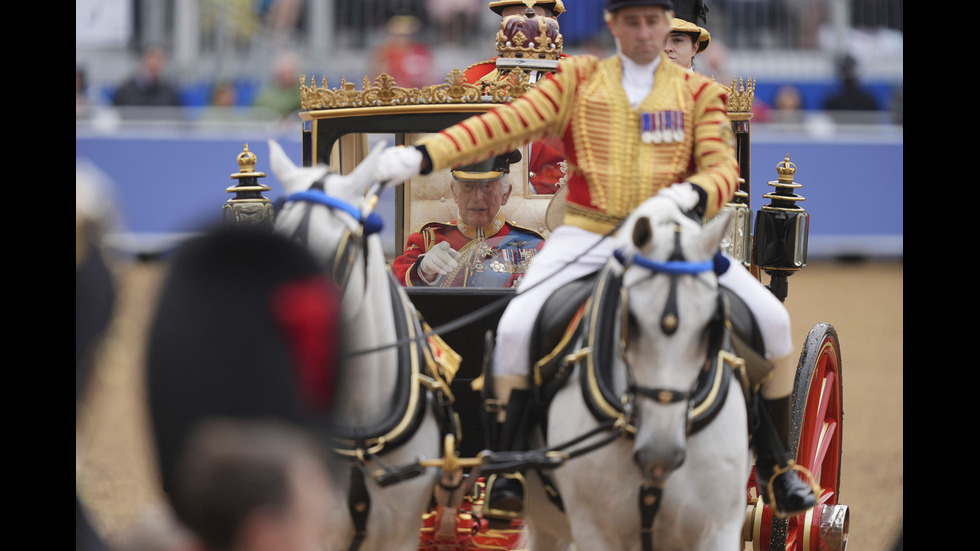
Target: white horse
x=375 y=397
x=664 y=486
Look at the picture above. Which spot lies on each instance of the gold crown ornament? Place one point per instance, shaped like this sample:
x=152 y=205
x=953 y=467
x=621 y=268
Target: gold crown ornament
x=529 y=42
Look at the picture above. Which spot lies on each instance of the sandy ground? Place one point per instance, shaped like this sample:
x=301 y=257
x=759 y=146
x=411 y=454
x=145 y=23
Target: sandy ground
x=115 y=474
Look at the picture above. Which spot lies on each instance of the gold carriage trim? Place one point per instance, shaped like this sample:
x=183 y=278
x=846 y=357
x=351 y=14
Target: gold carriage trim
x=385 y=92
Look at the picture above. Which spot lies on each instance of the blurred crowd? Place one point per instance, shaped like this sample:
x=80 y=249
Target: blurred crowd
x=404 y=39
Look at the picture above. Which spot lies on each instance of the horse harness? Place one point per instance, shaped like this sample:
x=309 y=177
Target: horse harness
x=351 y=243
x=590 y=342
x=418 y=373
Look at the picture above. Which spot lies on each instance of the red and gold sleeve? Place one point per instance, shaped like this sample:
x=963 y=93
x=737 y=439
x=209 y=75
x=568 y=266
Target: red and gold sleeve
x=715 y=169
x=542 y=111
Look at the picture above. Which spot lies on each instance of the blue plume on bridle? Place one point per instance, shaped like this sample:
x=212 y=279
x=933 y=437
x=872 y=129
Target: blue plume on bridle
x=371 y=224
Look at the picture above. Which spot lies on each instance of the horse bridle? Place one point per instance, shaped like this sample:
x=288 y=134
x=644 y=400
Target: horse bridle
x=650 y=495
x=351 y=243
x=669 y=319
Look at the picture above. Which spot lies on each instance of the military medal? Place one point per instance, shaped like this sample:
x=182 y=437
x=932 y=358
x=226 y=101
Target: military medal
x=679 y=126
x=668 y=126
x=646 y=127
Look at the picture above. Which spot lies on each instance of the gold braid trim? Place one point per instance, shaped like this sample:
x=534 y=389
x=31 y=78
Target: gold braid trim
x=590 y=219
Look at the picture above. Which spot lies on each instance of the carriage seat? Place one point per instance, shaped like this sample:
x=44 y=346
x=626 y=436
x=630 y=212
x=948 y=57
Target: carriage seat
x=555 y=328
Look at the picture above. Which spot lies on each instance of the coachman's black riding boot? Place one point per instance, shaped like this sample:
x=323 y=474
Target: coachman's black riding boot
x=504 y=500
x=790 y=493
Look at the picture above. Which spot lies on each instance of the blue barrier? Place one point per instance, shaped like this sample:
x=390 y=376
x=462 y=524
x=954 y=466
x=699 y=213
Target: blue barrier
x=175 y=185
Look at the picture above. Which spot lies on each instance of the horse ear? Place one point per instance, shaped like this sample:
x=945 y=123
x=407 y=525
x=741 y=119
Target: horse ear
x=293 y=178
x=282 y=166
x=363 y=173
x=642 y=232
x=714 y=231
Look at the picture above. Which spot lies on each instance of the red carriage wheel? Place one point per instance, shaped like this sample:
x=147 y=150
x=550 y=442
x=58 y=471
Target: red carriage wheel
x=815 y=441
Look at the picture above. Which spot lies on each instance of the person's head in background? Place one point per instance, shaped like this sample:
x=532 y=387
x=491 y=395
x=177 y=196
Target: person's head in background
x=686 y=41
x=249 y=485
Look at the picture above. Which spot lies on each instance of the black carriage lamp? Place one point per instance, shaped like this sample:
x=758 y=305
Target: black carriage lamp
x=781 y=231
x=248 y=208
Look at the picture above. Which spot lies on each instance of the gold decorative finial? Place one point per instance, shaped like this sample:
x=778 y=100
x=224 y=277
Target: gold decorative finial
x=740 y=96
x=786 y=171
x=530 y=38
x=246 y=165
x=246 y=161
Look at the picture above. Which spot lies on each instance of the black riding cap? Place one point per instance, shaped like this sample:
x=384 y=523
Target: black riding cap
x=489 y=170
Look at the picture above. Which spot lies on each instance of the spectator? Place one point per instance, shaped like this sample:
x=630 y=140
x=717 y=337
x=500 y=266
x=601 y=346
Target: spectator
x=455 y=20
x=851 y=96
x=402 y=56
x=788 y=105
x=81 y=92
x=147 y=86
x=224 y=100
x=280 y=95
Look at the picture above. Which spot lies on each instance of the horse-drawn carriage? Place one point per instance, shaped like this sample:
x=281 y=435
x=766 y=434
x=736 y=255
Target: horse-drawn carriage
x=429 y=433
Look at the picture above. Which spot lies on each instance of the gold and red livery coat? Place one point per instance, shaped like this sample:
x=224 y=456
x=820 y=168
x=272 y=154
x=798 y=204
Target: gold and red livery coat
x=496 y=255
x=543 y=164
x=611 y=167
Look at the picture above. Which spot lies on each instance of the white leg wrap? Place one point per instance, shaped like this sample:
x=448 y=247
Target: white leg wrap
x=769 y=312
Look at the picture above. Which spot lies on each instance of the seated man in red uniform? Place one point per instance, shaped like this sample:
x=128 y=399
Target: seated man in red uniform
x=479 y=248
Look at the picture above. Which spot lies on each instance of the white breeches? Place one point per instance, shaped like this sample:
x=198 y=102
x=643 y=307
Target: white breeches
x=558 y=262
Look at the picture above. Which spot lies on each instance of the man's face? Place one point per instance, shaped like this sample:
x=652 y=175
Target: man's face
x=681 y=49
x=479 y=202
x=641 y=31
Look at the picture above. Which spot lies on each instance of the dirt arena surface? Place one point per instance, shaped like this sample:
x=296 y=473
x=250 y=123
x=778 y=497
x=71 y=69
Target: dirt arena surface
x=115 y=474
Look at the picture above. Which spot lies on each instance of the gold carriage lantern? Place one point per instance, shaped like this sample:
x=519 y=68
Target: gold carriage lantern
x=781 y=230
x=248 y=208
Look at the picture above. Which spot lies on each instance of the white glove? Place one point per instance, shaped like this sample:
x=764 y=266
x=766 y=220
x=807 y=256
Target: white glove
x=683 y=194
x=398 y=164
x=439 y=260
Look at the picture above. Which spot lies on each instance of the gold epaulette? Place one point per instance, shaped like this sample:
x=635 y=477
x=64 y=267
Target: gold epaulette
x=520 y=227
